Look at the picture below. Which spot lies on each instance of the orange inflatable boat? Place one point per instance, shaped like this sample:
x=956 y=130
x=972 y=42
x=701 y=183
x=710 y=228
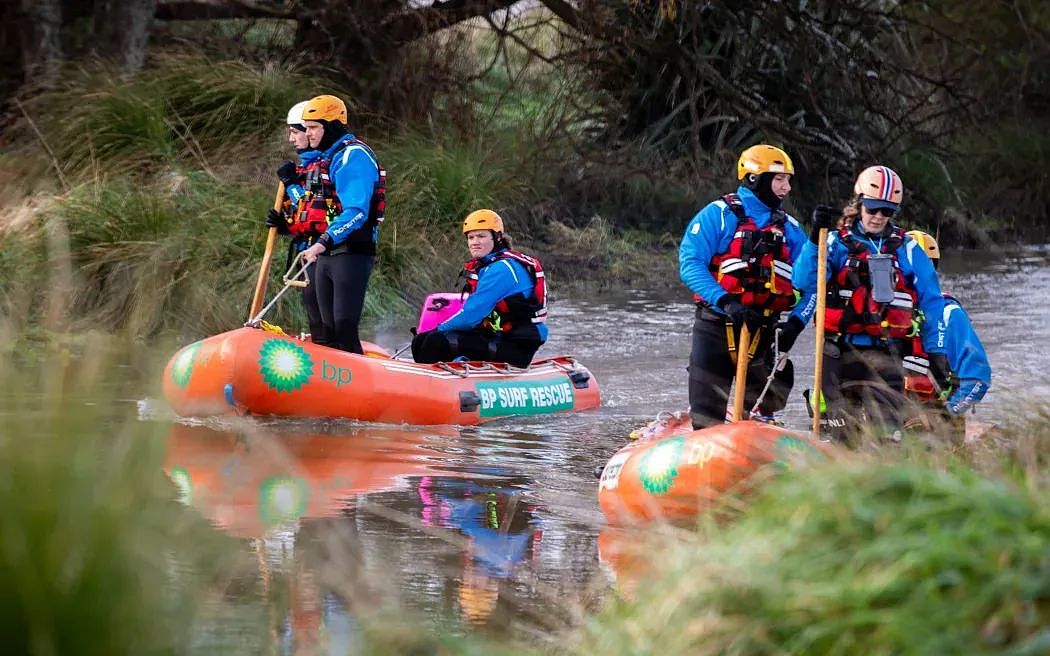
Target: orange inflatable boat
x=673 y=472
x=252 y=371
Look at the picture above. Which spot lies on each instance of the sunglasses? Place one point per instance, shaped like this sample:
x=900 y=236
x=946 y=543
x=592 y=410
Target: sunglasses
x=885 y=211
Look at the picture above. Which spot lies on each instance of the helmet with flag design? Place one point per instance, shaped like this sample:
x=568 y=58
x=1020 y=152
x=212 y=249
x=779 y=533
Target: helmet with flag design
x=879 y=186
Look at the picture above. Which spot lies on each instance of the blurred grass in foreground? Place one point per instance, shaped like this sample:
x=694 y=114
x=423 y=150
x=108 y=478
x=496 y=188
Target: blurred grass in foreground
x=95 y=556
x=906 y=553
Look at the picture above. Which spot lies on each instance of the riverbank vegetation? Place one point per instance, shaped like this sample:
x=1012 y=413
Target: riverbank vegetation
x=597 y=130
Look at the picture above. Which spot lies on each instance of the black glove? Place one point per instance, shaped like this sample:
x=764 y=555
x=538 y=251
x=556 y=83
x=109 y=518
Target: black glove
x=740 y=314
x=275 y=219
x=789 y=332
x=288 y=174
x=940 y=371
x=823 y=217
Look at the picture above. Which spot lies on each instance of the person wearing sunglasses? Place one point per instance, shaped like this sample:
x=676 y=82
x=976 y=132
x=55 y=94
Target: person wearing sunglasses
x=879 y=279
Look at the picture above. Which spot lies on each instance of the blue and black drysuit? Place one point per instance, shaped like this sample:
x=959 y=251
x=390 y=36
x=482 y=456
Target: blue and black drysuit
x=966 y=356
x=711 y=365
x=343 y=269
x=862 y=368
x=294 y=193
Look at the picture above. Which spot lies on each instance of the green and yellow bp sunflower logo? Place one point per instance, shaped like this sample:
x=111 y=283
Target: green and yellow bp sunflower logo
x=182 y=367
x=282 y=499
x=659 y=466
x=284 y=365
x=789 y=449
x=183 y=484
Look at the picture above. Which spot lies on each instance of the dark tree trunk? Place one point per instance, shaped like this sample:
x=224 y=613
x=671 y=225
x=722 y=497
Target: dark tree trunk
x=11 y=64
x=41 y=28
x=122 y=29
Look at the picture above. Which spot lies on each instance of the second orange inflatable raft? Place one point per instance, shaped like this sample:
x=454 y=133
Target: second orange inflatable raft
x=252 y=371
x=674 y=472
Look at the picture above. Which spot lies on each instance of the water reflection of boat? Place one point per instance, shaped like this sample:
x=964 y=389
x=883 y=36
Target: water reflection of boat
x=298 y=498
x=674 y=472
x=249 y=484
x=252 y=371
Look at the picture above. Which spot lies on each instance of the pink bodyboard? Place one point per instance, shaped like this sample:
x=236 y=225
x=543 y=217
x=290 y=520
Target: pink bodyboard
x=438 y=307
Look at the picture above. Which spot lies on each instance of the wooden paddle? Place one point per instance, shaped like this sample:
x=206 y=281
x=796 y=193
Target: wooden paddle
x=743 y=348
x=264 y=268
x=822 y=291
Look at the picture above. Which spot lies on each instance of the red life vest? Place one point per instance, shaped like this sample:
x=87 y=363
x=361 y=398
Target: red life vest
x=320 y=205
x=757 y=265
x=850 y=308
x=515 y=315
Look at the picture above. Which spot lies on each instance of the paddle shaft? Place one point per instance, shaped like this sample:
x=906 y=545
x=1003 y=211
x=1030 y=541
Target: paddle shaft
x=264 y=268
x=742 y=349
x=818 y=362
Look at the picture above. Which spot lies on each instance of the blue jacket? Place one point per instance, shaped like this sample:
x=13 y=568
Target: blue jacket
x=496 y=282
x=296 y=192
x=915 y=265
x=966 y=357
x=354 y=173
x=709 y=234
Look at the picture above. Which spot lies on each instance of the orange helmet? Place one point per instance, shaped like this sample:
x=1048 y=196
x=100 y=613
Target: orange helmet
x=927 y=243
x=879 y=186
x=325 y=108
x=482 y=220
x=763 y=159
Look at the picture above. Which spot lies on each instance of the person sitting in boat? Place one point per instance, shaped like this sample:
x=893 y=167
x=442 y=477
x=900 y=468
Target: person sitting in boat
x=504 y=317
x=950 y=385
x=878 y=277
x=289 y=221
x=736 y=256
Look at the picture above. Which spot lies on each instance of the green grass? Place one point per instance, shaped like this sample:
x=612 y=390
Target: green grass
x=906 y=555
x=94 y=554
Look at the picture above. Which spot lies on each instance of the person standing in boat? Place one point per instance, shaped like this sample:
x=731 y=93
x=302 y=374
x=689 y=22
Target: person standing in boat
x=344 y=201
x=949 y=385
x=504 y=318
x=737 y=256
x=287 y=219
x=878 y=277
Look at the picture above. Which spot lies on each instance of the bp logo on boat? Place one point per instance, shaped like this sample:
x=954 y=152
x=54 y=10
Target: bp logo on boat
x=282 y=499
x=182 y=367
x=659 y=466
x=284 y=365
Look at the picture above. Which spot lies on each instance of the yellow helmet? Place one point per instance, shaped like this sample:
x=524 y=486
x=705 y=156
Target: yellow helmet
x=482 y=220
x=763 y=158
x=927 y=243
x=325 y=108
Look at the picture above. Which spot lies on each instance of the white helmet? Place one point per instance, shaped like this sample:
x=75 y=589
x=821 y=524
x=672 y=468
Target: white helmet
x=295 y=114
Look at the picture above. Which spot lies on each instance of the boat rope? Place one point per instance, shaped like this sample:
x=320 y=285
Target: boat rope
x=781 y=357
x=289 y=282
